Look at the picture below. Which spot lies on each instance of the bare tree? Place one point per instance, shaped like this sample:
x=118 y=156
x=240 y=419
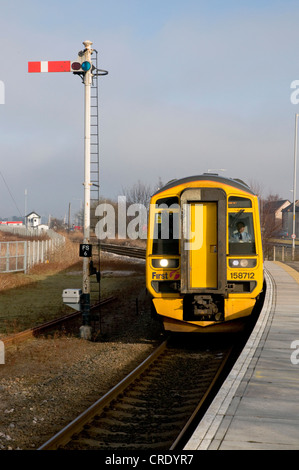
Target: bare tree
x=159 y=185
x=268 y=205
x=257 y=188
x=139 y=193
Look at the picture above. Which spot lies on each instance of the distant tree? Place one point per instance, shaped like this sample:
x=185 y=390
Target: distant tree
x=104 y=214
x=139 y=193
x=257 y=188
x=159 y=185
x=268 y=222
x=79 y=217
x=269 y=225
x=57 y=224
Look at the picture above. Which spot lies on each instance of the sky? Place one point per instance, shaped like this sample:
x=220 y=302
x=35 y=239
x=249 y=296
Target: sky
x=192 y=86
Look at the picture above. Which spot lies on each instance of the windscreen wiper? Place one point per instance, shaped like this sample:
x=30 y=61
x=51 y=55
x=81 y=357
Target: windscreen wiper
x=236 y=217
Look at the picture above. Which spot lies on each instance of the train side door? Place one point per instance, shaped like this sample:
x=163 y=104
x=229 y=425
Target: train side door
x=202 y=248
x=203 y=242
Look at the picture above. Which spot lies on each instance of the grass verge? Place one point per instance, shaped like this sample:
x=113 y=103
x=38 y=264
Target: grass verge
x=29 y=300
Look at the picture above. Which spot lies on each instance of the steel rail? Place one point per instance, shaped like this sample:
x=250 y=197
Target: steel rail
x=123 y=250
x=195 y=417
x=31 y=332
x=65 y=435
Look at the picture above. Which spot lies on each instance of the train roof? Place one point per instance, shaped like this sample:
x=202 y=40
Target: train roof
x=236 y=183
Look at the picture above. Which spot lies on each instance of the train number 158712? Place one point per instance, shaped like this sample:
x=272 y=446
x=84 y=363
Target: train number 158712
x=241 y=275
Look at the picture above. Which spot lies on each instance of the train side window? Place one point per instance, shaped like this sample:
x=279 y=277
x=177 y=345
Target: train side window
x=166 y=233
x=241 y=233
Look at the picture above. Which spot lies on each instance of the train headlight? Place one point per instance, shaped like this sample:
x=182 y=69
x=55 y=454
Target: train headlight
x=242 y=263
x=163 y=263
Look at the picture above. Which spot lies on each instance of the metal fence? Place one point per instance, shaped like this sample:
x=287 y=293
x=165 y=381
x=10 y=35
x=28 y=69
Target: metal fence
x=39 y=251
x=22 y=255
x=23 y=231
x=13 y=256
x=280 y=252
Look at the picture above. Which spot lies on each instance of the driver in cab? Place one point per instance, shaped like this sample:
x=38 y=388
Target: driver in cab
x=241 y=235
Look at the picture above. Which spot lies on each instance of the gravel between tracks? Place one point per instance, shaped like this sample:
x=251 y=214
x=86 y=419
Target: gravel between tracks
x=47 y=382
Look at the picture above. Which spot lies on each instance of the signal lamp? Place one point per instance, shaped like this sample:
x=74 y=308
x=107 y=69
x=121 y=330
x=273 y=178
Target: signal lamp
x=76 y=66
x=86 y=66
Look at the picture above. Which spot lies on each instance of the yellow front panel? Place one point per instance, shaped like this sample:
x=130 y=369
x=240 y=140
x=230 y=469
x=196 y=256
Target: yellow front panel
x=203 y=246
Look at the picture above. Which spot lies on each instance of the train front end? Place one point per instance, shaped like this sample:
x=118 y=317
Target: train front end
x=204 y=261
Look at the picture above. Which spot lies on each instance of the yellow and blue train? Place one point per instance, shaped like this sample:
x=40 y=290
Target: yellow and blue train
x=204 y=258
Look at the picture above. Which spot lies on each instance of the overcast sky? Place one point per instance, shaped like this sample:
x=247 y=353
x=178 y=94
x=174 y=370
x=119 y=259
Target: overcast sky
x=193 y=85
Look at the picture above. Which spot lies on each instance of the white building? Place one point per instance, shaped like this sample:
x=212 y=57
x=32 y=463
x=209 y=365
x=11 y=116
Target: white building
x=32 y=220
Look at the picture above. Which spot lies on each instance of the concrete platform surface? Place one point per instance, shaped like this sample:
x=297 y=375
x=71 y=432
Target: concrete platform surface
x=258 y=405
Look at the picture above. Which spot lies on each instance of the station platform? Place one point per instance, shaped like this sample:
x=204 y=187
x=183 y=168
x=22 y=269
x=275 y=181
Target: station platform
x=257 y=408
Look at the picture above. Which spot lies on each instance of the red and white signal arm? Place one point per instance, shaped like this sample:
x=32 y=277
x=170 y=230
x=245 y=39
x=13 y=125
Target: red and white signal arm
x=59 y=66
x=49 y=66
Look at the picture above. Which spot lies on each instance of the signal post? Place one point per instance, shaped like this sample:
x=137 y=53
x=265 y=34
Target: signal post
x=84 y=68
x=85 y=330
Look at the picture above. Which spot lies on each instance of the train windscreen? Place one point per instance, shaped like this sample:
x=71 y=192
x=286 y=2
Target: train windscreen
x=241 y=233
x=166 y=227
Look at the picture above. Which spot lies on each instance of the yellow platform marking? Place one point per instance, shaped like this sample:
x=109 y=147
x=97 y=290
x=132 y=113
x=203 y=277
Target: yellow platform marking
x=291 y=271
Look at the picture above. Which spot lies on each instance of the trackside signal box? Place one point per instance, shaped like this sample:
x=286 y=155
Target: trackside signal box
x=72 y=298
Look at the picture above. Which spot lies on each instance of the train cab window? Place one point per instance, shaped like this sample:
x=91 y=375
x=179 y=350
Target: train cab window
x=241 y=233
x=237 y=201
x=168 y=201
x=166 y=233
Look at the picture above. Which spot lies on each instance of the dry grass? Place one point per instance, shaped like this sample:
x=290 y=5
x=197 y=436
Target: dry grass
x=29 y=300
x=62 y=259
x=9 y=281
x=11 y=237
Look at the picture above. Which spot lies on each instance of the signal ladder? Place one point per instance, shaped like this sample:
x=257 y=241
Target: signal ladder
x=95 y=286
x=94 y=145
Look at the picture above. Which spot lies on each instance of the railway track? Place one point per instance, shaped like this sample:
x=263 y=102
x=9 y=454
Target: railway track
x=41 y=329
x=123 y=250
x=48 y=326
x=153 y=407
